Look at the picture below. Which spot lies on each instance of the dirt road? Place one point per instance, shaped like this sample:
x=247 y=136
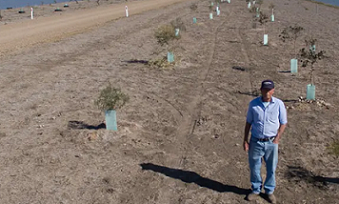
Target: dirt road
x=50 y=29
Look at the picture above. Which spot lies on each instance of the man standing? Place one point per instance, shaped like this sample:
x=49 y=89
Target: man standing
x=268 y=118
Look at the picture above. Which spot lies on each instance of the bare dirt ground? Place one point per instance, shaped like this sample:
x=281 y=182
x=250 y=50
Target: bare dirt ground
x=180 y=136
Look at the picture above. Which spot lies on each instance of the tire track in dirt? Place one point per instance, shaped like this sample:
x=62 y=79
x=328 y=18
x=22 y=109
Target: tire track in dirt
x=194 y=108
x=243 y=49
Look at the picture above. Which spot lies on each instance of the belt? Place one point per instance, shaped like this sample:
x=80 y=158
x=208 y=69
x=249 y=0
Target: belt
x=266 y=139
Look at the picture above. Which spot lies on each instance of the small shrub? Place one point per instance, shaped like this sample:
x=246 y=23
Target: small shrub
x=263 y=18
x=334 y=148
x=253 y=9
x=309 y=56
x=194 y=7
x=291 y=33
x=177 y=23
x=165 y=33
x=210 y=8
x=111 y=98
x=260 y=3
x=159 y=63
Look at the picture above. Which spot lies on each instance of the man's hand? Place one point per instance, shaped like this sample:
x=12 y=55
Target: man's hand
x=246 y=146
x=276 y=140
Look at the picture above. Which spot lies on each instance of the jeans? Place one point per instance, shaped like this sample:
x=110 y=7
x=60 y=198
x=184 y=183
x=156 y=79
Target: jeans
x=269 y=151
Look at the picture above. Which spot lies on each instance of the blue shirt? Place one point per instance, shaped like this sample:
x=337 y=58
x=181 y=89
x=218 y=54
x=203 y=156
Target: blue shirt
x=265 y=121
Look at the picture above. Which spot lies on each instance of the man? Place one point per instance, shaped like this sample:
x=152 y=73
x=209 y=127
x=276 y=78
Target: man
x=268 y=118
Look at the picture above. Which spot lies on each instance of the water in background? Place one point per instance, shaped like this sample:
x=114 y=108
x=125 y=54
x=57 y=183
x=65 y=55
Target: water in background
x=22 y=3
x=333 y=2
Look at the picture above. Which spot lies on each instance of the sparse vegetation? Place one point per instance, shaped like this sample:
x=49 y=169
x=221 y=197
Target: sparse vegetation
x=210 y=7
x=263 y=18
x=334 y=148
x=178 y=23
x=159 y=63
x=308 y=56
x=291 y=33
x=165 y=33
x=111 y=98
x=194 y=7
x=272 y=6
x=260 y=3
x=253 y=9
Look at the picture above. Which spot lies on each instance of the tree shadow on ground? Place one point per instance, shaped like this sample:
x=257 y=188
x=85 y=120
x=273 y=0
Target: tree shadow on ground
x=192 y=177
x=285 y=71
x=136 y=61
x=81 y=125
x=239 y=68
x=298 y=174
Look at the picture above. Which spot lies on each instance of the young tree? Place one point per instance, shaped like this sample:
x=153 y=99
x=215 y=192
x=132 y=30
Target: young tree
x=272 y=7
x=263 y=19
x=291 y=33
x=308 y=56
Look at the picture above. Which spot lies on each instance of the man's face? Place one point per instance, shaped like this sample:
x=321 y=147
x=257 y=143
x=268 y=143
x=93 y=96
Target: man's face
x=267 y=93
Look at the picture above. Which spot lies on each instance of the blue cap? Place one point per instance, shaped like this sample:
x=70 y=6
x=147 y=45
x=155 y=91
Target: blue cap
x=267 y=84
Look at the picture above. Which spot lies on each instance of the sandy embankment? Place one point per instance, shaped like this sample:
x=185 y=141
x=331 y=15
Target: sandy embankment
x=16 y=36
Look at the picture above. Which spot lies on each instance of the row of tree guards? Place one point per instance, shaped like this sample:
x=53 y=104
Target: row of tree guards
x=307 y=56
x=111 y=98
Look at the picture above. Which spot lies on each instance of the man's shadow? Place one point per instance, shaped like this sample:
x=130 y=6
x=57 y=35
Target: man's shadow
x=192 y=177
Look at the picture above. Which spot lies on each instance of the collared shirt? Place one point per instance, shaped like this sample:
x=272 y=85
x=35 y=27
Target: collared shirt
x=265 y=121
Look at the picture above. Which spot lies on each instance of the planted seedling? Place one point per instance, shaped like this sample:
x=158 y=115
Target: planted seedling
x=263 y=19
x=110 y=100
x=248 y=4
x=334 y=148
x=260 y=3
x=272 y=9
x=291 y=33
x=210 y=7
x=166 y=33
x=178 y=23
x=308 y=56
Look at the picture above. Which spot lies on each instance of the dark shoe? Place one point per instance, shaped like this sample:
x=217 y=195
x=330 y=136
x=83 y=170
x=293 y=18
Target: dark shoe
x=252 y=196
x=271 y=198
